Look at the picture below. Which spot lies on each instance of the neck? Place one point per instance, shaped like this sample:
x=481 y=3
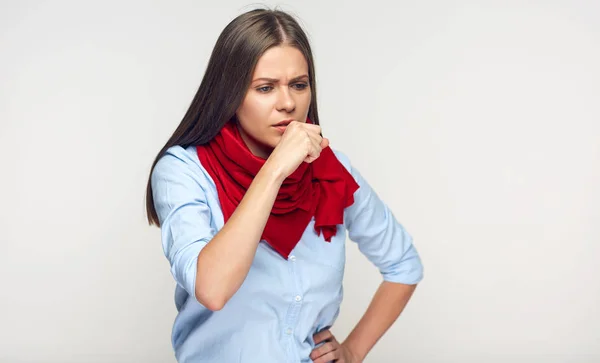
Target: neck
x=254 y=146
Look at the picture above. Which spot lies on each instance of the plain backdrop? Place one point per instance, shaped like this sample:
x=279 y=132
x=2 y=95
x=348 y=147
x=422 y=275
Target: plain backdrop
x=477 y=122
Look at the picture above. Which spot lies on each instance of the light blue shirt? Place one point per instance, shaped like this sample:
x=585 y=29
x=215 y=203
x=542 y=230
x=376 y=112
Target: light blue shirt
x=282 y=303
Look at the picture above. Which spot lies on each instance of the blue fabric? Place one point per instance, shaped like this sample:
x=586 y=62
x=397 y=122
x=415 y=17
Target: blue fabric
x=282 y=303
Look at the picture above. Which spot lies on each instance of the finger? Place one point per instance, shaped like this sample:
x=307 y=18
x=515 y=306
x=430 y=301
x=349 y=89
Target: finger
x=322 y=335
x=313 y=155
x=322 y=350
x=314 y=132
x=324 y=143
x=312 y=127
x=310 y=159
x=329 y=357
x=316 y=143
x=316 y=139
x=319 y=138
x=314 y=150
x=314 y=136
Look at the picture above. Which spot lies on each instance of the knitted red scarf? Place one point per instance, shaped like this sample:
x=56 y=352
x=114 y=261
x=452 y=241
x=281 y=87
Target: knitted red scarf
x=322 y=189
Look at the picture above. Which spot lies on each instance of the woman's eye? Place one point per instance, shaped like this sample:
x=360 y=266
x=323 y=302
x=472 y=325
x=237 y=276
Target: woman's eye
x=300 y=86
x=297 y=86
x=264 y=89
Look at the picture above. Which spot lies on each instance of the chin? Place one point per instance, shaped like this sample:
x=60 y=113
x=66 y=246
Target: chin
x=269 y=144
x=273 y=143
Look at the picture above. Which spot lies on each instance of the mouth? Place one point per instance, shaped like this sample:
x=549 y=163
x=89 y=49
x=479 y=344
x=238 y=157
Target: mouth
x=283 y=123
x=281 y=126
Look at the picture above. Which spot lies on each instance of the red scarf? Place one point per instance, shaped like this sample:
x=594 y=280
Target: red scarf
x=322 y=189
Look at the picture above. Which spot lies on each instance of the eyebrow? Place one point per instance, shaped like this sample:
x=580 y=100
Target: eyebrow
x=273 y=80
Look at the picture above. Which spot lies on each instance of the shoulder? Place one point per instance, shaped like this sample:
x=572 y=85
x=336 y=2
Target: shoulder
x=179 y=180
x=177 y=159
x=179 y=165
x=177 y=156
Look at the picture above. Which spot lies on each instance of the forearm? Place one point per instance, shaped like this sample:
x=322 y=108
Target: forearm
x=387 y=304
x=224 y=263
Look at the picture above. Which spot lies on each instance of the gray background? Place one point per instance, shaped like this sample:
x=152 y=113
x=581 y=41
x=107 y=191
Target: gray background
x=477 y=122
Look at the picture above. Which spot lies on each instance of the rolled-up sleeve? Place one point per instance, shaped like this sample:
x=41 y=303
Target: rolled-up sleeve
x=184 y=215
x=380 y=237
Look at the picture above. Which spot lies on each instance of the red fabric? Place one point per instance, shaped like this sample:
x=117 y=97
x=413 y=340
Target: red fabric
x=322 y=189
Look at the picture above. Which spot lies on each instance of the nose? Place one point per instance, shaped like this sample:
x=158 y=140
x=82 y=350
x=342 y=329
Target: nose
x=285 y=100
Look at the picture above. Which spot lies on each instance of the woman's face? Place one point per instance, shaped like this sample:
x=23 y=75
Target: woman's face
x=279 y=91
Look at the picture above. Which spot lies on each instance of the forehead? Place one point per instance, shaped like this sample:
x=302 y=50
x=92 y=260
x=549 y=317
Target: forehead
x=281 y=62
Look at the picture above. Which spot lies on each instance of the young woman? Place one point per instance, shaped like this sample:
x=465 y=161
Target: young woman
x=254 y=209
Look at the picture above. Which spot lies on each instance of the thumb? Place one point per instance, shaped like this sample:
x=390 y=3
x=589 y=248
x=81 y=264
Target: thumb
x=324 y=143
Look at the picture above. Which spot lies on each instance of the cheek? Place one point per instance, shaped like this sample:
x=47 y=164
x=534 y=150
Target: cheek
x=254 y=116
x=255 y=109
x=306 y=101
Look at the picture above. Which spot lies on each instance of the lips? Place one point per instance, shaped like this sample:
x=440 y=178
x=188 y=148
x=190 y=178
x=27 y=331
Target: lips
x=283 y=123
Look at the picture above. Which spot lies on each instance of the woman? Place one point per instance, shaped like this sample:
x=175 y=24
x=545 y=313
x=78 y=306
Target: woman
x=254 y=208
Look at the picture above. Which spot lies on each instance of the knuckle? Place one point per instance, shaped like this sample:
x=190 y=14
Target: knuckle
x=307 y=141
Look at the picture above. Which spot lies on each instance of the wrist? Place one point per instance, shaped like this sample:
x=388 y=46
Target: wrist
x=355 y=355
x=273 y=172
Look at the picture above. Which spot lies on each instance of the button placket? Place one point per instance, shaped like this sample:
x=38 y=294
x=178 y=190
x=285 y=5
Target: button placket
x=297 y=299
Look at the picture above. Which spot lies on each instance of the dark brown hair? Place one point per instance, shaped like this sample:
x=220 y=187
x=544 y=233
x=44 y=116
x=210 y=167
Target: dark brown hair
x=228 y=76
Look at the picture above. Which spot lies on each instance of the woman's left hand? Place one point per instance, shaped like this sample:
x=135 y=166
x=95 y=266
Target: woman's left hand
x=331 y=350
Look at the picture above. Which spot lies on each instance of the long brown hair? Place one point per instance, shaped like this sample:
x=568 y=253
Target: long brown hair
x=229 y=74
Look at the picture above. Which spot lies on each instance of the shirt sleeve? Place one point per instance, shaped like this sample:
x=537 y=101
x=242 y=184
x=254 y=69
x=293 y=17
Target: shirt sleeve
x=183 y=212
x=380 y=237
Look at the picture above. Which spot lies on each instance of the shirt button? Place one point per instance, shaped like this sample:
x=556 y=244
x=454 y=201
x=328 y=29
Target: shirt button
x=288 y=331
x=292 y=258
x=298 y=297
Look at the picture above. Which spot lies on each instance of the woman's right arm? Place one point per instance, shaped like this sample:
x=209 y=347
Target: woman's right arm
x=224 y=263
x=225 y=257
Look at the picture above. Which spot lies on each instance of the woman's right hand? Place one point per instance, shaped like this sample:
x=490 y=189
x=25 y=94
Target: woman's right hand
x=301 y=142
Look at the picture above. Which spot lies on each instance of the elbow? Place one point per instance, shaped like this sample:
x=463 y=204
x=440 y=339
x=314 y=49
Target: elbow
x=211 y=303
x=206 y=291
x=211 y=300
